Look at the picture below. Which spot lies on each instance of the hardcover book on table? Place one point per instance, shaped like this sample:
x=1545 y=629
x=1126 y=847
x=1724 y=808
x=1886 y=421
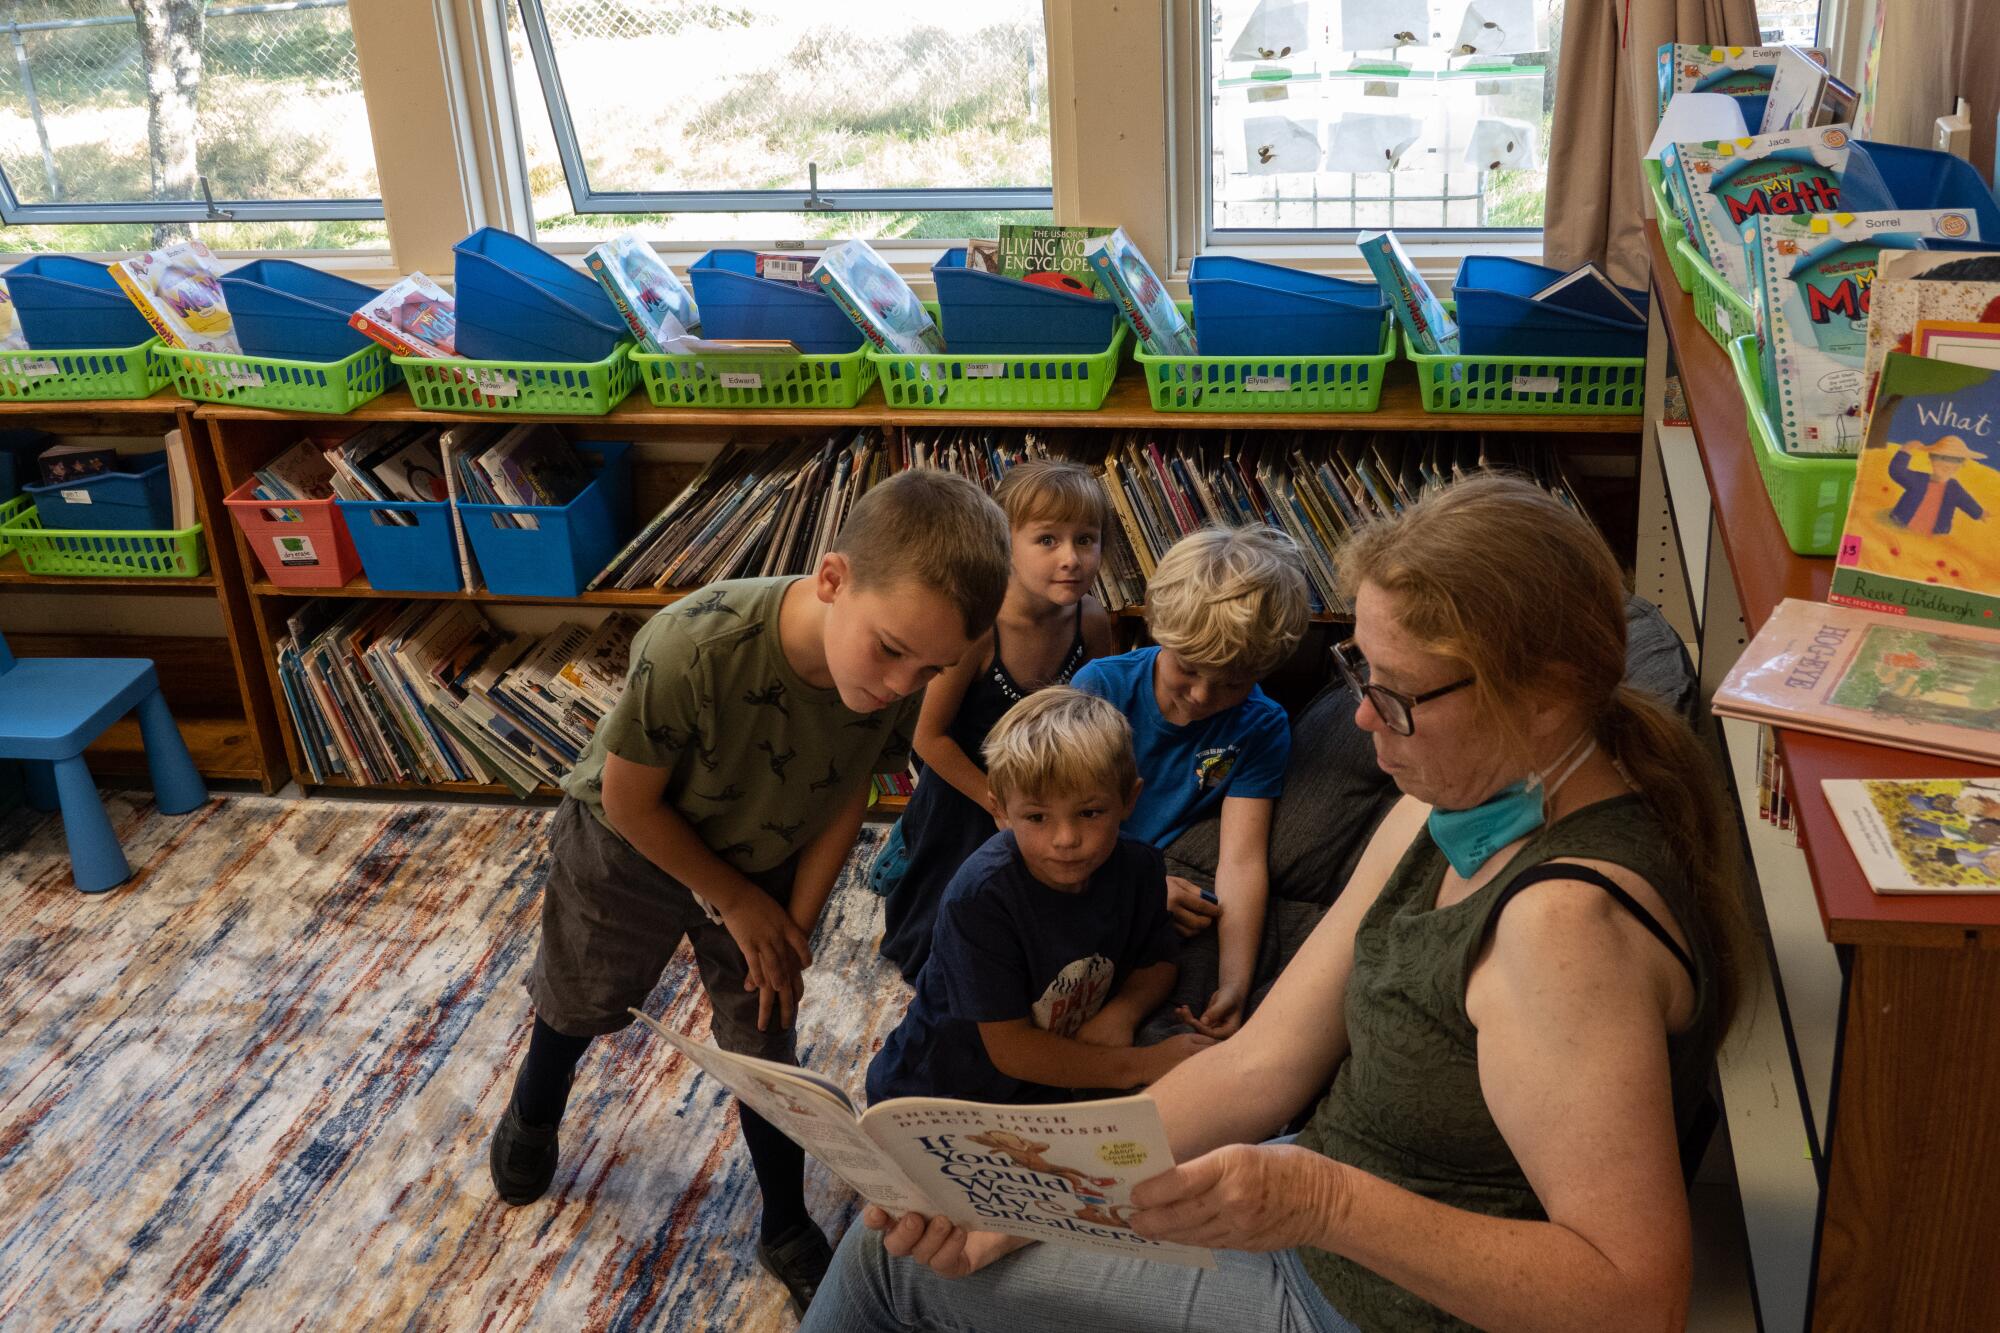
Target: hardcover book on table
x=1722 y=184
x=1921 y=835
x=1923 y=522
x=1049 y=256
x=1915 y=286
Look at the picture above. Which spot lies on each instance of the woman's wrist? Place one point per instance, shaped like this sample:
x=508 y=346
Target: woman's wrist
x=1330 y=1198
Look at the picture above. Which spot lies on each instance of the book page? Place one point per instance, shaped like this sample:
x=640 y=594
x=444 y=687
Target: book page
x=812 y=1111
x=1059 y=1173
x=1922 y=835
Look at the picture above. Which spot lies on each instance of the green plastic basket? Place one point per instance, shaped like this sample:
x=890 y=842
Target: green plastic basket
x=10 y=511
x=330 y=387
x=525 y=388
x=756 y=380
x=111 y=372
x=1530 y=386
x=88 y=553
x=1726 y=315
x=1064 y=382
x=1809 y=495
x=1672 y=232
x=1267 y=383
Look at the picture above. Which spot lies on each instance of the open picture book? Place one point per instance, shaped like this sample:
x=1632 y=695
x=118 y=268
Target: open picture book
x=1060 y=1173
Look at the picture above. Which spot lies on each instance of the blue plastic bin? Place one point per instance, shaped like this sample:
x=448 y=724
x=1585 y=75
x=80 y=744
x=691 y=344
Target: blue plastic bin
x=569 y=543
x=293 y=312
x=138 y=498
x=992 y=315
x=736 y=303
x=1882 y=176
x=1497 y=318
x=1243 y=307
x=518 y=302
x=68 y=304
x=419 y=557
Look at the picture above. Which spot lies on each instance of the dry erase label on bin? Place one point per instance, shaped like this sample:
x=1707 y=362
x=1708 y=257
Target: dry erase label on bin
x=244 y=379
x=34 y=370
x=742 y=379
x=1266 y=383
x=986 y=370
x=295 y=550
x=1537 y=383
x=76 y=497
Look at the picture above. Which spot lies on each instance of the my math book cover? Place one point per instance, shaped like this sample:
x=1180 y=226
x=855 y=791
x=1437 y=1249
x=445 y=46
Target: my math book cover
x=1921 y=835
x=1720 y=184
x=1923 y=523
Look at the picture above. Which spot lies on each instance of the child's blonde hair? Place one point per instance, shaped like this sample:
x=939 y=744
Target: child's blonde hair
x=1060 y=741
x=1230 y=599
x=1044 y=490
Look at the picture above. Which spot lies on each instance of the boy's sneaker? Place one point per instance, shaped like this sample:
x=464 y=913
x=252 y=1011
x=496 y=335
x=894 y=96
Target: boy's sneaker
x=523 y=1159
x=799 y=1259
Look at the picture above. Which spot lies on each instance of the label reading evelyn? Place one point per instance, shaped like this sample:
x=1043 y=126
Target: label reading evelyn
x=1266 y=383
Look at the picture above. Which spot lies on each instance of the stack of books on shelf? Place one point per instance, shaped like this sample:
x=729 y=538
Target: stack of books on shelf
x=521 y=465
x=423 y=692
x=892 y=786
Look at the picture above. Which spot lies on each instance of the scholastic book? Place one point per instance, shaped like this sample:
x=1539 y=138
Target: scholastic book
x=1723 y=183
x=1924 y=835
x=655 y=304
x=1423 y=317
x=1742 y=72
x=1124 y=275
x=1810 y=284
x=876 y=298
x=1913 y=287
x=1059 y=1173
x=180 y=294
x=416 y=317
x=1049 y=256
x=1923 y=521
x=1871 y=676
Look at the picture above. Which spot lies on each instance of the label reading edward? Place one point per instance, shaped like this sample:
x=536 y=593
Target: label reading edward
x=742 y=379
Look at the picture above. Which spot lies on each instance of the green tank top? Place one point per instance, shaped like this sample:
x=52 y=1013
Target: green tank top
x=1406 y=1104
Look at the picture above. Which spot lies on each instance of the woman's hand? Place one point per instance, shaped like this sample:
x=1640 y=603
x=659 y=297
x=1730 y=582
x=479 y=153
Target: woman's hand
x=937 y=1243
x=1245 y=1197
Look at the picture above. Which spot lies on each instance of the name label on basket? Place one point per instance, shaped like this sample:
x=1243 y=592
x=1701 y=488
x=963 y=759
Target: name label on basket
x=1537 y=383
x=742 y=379
x=1266 y=383
x=244 y=379
x=986 y=370
x=1725 y=320
x=494 y=384
x=34 y=370
x=295 y=550
x=76 y=497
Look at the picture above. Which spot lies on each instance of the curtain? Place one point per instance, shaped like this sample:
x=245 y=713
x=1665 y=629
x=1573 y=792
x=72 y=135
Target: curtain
x=1605 y=114
x=1930 y=56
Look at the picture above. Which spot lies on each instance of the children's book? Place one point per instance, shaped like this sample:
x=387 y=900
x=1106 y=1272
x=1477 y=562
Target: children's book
x=180 y=482
x=416 y=317
x=1742 y=72
x=1811 y=279
x=299 y=473
x=1423 y=317
x=1050 y=256
x=982 y=256
x=533 y=465
x=12 y=337
x=1871 y=676
x=1923 y=522
x=656 y=305
x=1804 y=93
x=1922 y=835
x=1917 y=286
x=180 y=294
x=72 y=462
x=1586 y=289
x=1125 y=276
x=1722 y=184
x=876 y=298
x=1962 y=342
x=1057 y=1173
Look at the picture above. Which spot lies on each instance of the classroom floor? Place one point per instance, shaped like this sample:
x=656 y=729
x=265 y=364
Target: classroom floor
x=257 y=1081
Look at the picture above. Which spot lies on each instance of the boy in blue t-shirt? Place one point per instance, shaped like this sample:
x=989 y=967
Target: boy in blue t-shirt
x=1052 y=941
x=1226 y=607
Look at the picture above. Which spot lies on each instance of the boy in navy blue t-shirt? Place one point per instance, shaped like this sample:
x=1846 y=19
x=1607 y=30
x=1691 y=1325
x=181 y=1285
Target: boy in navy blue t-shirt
x=1226 y=607
x=1052 y=941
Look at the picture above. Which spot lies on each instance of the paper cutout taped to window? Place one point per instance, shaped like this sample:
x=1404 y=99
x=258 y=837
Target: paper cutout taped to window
x=1277 y=144
x=1497 y=27
x=1274 y=30
x=1382 y=25
x=1500 y=143
x=1370 y=143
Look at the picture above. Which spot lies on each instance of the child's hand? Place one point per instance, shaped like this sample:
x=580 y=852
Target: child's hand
x=1110 y=1026
x=1222 y=1017
x=775 y=949
x=1191 y=912
x=1165 y=1055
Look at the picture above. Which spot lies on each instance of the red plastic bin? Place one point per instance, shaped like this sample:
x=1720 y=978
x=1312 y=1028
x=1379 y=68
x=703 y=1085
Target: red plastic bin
x=300 y=543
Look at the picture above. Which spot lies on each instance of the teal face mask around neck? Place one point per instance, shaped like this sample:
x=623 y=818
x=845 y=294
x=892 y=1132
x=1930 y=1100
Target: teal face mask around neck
x=1468 y=837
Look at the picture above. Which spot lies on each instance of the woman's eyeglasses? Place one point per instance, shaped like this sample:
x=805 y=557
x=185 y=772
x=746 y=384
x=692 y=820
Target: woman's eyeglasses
x=1396 y=709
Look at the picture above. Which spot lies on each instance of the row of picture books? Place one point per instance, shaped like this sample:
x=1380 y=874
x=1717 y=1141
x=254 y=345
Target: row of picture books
x=426 y=692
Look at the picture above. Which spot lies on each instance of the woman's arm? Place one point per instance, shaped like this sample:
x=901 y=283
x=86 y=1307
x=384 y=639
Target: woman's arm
x=933 y=742
x=1021 y=1050
x=1242 y=888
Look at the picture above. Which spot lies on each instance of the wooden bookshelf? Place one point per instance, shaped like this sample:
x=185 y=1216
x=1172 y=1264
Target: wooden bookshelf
x=13 y=574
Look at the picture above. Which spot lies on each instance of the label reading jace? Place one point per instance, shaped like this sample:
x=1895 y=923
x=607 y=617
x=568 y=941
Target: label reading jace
x=76 y=497
x=1266 y=383
x=1537 y=383
x=295 y=550
x=986 y=370
x=742 y=379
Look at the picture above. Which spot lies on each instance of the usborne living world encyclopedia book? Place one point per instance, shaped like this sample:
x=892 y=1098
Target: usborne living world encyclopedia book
x=1058 y=1173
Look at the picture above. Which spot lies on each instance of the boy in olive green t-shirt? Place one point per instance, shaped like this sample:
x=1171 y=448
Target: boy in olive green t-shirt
x=719 y=799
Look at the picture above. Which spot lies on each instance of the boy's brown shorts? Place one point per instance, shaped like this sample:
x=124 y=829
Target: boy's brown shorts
x=611 y=921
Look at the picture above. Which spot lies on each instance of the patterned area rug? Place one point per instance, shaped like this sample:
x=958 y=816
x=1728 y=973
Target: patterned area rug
x=253 y=1087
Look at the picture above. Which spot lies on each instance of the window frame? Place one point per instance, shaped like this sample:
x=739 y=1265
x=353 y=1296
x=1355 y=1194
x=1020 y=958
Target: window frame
x=586 y=199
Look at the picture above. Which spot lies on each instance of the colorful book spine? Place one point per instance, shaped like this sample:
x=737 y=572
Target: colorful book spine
x=1423 y=317
x=1142 y=298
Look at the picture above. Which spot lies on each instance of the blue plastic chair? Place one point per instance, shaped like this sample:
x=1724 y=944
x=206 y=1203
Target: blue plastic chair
x=50 y=709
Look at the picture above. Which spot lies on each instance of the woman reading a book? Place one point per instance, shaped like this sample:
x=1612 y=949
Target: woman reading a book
x=1494 y=1038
